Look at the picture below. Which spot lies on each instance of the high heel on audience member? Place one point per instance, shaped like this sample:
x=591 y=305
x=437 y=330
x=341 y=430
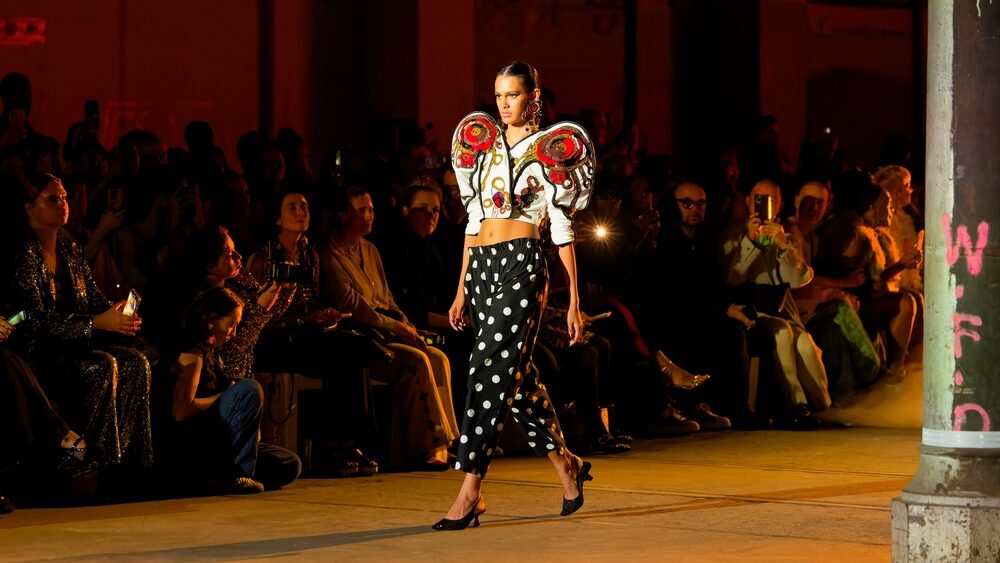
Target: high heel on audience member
x=472 y=517
x=677 y=376
x=569 y=506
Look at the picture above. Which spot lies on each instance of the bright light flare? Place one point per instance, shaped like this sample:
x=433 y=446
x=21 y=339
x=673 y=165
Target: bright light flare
x=601 y=231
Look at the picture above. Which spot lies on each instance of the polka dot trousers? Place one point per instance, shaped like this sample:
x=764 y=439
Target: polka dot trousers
x=505 y=288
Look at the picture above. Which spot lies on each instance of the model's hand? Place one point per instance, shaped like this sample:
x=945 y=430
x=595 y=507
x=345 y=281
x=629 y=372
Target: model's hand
x=456 y=313
x=574 y=324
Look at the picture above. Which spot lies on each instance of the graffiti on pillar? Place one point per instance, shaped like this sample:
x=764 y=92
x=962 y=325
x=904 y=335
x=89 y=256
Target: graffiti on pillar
x=961 y=418
x=967 y=325
x=973 y=255
x=960 y=331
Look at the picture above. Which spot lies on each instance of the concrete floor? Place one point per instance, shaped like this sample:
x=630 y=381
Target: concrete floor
x=731 y=496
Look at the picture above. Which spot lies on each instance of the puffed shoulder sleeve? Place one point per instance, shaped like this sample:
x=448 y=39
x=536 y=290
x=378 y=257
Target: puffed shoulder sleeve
x=567 y=158
x=473 y=139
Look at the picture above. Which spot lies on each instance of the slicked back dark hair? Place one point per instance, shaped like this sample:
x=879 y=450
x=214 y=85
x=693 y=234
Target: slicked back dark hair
x=527 y=73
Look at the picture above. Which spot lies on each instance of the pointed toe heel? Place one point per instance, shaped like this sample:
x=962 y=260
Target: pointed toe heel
x=470 y=519
x=569 y=506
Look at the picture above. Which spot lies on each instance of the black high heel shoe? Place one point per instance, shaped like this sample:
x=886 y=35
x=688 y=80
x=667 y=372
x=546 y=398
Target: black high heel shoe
x=583 y=474
x=462 y=523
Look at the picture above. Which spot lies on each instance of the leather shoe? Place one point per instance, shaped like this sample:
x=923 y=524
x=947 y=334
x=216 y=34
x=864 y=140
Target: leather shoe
x=708 y=420
x=672 y=422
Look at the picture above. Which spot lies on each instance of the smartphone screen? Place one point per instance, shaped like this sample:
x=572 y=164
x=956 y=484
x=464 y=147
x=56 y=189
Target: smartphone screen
x=17 y=318
x=132 y=304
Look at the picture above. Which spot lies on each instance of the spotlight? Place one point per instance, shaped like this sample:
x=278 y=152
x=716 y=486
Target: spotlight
x=601 y=231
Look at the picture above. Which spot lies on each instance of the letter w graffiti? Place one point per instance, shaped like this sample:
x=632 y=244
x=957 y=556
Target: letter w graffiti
x=973 y=255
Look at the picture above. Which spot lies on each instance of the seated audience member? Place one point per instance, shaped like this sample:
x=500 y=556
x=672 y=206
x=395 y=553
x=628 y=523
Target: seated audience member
x=211 y=260
x=758 y=257
x=300 y=337
x=582 y=373
x=906 y=222
x=607 y=263
x=858 y=239
x=41 y=452
x=827 y=307
x=218 y=419
x=418 y=278
x=699 y=327
x=75 y=339
x=353 y=281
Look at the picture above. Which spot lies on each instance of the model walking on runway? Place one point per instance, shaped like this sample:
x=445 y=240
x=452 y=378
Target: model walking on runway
x=513 y=175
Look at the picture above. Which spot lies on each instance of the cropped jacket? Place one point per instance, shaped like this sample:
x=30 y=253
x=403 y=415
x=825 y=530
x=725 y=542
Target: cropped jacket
x=548 y=173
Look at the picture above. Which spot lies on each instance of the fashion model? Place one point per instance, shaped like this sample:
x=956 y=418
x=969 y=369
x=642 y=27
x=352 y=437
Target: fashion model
x=512 y=175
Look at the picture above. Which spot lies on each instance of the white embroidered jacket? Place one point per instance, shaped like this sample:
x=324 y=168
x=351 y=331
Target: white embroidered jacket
x=550 y=172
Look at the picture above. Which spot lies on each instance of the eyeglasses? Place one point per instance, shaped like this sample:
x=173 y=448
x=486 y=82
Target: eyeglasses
x=689 y=204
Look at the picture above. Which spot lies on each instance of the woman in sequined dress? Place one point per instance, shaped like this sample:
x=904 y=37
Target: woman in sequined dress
x=76 y=340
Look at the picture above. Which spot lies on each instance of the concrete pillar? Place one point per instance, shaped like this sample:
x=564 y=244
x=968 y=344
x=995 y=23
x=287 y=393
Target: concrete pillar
x=951 y=509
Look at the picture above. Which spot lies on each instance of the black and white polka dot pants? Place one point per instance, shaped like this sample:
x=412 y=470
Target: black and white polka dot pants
x=505 y=287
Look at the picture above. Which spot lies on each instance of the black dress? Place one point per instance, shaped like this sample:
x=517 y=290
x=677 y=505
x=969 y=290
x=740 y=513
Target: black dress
x=97 y=380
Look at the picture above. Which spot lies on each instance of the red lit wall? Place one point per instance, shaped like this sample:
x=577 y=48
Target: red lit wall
x=154 y=65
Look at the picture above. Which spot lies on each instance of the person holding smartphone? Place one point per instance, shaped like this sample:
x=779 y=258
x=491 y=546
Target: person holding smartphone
x=759 y=257
x=78 y=342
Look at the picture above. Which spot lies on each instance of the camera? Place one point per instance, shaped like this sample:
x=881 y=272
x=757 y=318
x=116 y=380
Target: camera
x=290 y=273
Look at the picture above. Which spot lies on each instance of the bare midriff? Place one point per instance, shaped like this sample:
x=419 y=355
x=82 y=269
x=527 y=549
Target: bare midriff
x=493 y=231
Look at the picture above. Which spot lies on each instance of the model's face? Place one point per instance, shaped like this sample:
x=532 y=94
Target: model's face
x=229 y=262
x=512 y=100
x=691 y=202
x=50 y=209
x=294 y=214
x=359 y=218
x=423 y=213
x=225 y=327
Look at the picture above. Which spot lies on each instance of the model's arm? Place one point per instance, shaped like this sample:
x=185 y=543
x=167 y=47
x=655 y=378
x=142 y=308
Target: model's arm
x=457 y=310
x=574 y=322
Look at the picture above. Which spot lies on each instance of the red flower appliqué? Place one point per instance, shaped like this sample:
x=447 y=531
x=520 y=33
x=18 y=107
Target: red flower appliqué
x=561 y=147
x=478 y=134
